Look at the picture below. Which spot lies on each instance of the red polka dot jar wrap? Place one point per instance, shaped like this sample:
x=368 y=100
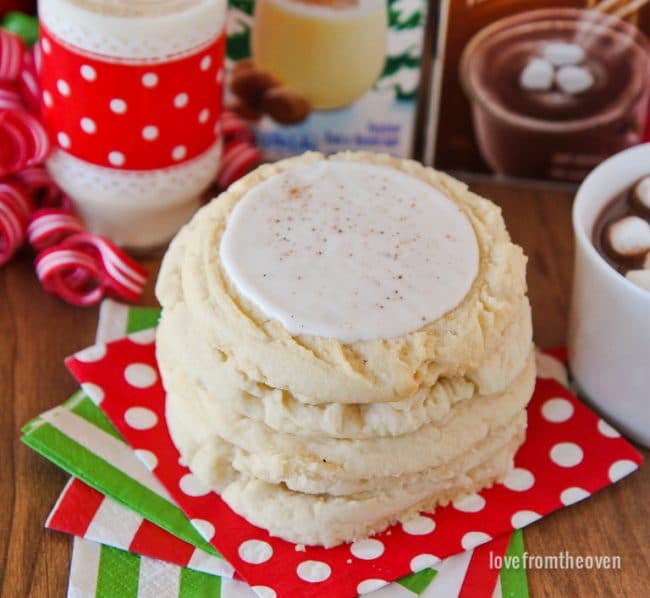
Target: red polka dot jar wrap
x=569 y=453
x=131 y=98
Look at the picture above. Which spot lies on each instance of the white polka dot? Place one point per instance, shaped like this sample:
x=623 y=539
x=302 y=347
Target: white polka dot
x=149 y=133
x=181 y=100
x=621 y=468
x=566 y=454
x=606 y=430
x=369 y=585
x=470 y=504
x=419 y=526
x=179 y=152
x=95 y=392
x=118 y=105
x=116 y=158
x=557 y=410
x=64 y=140
x=88 y=72
x=150 y=80
x=313 y=571
x=140 y=375
x=92 y=354
x=45 y=44
x=549 y=367
x=472 y=539
x=264 y=592
x=524 y=518
x=88 y=125
x=192 y=486
x=204 y=116
x=140 y=418
x=573 y=495
x=255 y=552
x=63 y=87
x=424 y=561
x=219 y=76
x=205 y=528
x=367 y=549
x=148 y=458
x=519 y=480
x=47 y=99
x=143 y=337
x=206 y=63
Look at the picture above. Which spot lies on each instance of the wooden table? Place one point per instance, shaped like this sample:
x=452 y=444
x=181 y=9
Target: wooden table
x=37 y=331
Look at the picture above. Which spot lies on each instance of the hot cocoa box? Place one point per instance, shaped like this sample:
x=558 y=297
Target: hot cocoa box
x=326 y=75
x=537 y=89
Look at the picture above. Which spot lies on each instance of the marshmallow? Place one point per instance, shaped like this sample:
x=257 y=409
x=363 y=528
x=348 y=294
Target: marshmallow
x=563 y=53
x=537 y=76
x=629 y=236
x=574 y=79
x=642 y=192
x=640 y=278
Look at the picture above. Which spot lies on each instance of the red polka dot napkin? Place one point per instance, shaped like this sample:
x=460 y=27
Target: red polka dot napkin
x=569 y=454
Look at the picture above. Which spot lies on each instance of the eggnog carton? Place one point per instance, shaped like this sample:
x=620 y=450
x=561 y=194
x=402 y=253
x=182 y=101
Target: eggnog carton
x=326 y=75
x=538 y=89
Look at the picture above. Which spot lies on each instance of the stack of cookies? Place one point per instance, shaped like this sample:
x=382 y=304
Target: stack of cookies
x=345 y=342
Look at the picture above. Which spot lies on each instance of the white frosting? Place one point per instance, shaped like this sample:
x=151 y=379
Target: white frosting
x=134 y=29
x=350 y=251
x=322 y=11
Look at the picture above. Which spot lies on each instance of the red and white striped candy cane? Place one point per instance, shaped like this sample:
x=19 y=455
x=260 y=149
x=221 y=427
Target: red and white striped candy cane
x=25 y=142
x=50 y=226
x=42 y=188
x=10 y=97
x=12 y=50
x=15 y=209
x=125 y=277
x=234 y=128
x=28 y=80
x=239 y=157
x=61 y=271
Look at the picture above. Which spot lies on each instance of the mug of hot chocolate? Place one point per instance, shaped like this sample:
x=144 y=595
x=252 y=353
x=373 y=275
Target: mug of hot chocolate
x=609 y=331
x=556 y=91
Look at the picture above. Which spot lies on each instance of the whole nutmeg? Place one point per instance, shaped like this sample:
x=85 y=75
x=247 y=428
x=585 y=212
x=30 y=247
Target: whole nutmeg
x=246 y=111
x=285 y=105
x=250 y=84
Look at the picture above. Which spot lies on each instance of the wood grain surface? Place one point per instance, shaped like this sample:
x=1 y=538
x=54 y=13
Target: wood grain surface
x=37 y=331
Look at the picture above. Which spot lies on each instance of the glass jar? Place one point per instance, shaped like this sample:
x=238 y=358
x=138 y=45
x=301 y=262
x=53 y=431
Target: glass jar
x=131 y=98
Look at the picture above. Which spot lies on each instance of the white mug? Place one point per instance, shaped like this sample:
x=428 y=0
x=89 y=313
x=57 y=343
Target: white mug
x=609 y=329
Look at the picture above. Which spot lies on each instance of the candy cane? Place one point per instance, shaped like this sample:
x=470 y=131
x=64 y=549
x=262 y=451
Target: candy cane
x=50 y=226
x=25 y=141
x=59 y=269
x=125 y=277
x=10 y=98
x=15 y=209
x=28 y=81
x=12 y=49
x=239 y=157
x=41 y=186
x=234 y=128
